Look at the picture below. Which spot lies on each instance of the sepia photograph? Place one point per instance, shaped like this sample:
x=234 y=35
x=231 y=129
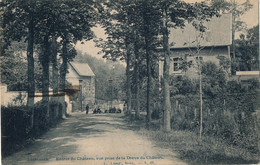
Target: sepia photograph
x=129 y=82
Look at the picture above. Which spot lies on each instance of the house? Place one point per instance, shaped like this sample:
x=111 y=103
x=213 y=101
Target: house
x=82 y=80
x=214 y=45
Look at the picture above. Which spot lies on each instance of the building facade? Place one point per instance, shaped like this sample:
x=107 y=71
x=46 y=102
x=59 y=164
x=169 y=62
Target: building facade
x=191 y=47
x=82 y=79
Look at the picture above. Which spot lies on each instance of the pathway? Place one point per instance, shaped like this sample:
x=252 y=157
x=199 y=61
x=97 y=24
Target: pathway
x=102 y=139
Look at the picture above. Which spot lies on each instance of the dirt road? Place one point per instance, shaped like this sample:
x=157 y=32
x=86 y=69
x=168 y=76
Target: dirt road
x=102 y=139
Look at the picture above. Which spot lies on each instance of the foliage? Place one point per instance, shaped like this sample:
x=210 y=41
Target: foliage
x=208 y=150
x=15 y=120
x=191 y=148
x=37 y=22
x=248 y=50
x=228 y=107
x=214 y=80
x=16 y=124
x=182 y=85
x=13 y=67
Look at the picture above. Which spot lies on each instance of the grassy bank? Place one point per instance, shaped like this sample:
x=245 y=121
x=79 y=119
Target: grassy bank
x=192 y=149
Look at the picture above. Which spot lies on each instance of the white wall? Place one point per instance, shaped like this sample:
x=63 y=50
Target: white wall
x=12 y=98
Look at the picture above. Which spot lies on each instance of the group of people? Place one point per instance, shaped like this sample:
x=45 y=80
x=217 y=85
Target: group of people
x=96 y=110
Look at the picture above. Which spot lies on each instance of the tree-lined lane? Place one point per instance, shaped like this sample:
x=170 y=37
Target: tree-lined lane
x=93 y=139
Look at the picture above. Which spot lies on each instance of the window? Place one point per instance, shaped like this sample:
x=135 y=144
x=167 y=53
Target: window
x=176 y=64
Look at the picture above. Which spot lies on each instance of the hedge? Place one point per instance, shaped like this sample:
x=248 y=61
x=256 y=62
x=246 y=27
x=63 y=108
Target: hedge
x=16 y=123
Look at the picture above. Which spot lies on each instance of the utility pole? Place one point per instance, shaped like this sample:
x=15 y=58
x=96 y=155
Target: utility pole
x=111 y=86
x=80 y=99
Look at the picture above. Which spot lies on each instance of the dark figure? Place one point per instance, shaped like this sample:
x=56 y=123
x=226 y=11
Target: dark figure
x=98 y=110
x=87 y=108
x=125 y=107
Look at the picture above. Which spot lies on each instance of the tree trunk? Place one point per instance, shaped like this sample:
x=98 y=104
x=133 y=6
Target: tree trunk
x=45 y=61
x=147 y=37
x=201 y=114
x=55 y=75
x=55 y=78
x=137 y=81
x=166 y=68
x=63 y=72
x=148 y=67
x=128 y=93
x=30 y=68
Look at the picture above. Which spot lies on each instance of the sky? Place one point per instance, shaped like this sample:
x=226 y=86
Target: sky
x=89 y=46
x=251 y=18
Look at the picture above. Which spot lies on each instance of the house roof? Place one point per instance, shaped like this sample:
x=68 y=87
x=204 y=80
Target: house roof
x=218 y=33
x=82 y=69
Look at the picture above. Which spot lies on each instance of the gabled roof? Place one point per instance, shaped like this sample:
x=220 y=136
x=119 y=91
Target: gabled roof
x=218 y=33
x=82 y=69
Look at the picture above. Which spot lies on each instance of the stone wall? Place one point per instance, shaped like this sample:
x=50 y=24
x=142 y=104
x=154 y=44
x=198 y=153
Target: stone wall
x=88 y=91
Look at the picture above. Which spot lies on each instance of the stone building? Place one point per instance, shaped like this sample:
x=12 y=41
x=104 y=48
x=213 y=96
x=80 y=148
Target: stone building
x=82 y=79
x=214 y=45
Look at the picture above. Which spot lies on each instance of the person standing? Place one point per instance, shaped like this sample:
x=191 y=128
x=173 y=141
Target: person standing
x=125 y=107
x=87 y=108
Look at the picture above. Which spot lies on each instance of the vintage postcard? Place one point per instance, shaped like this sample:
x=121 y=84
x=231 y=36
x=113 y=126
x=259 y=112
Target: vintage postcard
x=129 y=82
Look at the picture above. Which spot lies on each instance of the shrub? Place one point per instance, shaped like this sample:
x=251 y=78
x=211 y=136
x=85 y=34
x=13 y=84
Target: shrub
x=16 y=123
x=40 y=121
x=55 y=109
x=156 y=114
x=227 y=107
